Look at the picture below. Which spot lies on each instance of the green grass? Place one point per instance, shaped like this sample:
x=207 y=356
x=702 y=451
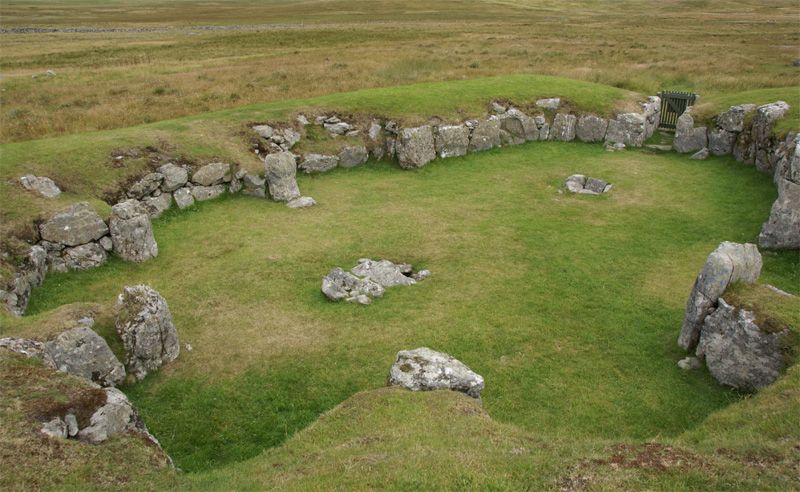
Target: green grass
x=568 y=305
x=708 y=107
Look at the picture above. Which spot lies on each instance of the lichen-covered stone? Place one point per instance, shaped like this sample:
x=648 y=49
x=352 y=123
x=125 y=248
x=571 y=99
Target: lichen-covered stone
x=563 y=128
x=353 y=155
x=591 y=128
x=79 y=224
x=318 y=163
x=83 y=353
x=132 y=232
x=415 y=147
x=174 y=177
x=281 y=176
x=452 y=140
x=687 y=137
x=782 y=229
x=485 y=135
x=212 y=174
x=423 y=369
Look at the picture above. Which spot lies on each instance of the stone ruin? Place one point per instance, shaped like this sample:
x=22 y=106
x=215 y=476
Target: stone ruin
x=368 y=280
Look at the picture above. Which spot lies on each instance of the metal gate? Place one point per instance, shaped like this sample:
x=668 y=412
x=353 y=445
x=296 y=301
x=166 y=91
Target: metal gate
x=673 y=104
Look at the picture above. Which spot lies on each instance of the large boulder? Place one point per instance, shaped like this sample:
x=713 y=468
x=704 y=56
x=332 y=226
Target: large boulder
x=174 y=177
x=145 y=326
x=628 y=129
x=212 y=174
x=738 y=352
x=424 y=369
x=84 y=257
x=40 y=185
x=591 y=128
x=452 y=140
x=687 y=137
x=513 y=126
x=203 y=193
x=340 y=285
x=415 y=147
x=733 y=119
x=485 y=135
x=281 y=175
x=353 y=155
x=117 y=415
x=383 y=272
x=318 y=163
x=730 y=262
x=132 y=232
x=720 y=142
x=157 y=205
x=145 y=186
x=79 y=224
x=563 y=128
x=82 y=352
x=782 y=229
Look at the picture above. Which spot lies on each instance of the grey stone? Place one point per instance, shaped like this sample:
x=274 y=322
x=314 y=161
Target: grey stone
x=576 y=182
x=318 y=163
x=291 y=137
x=498 y=107
x=700 y=155
x=737 y=352
x=254 y=185
x=72 y=425
x=301 y=202
x=689 y=363
x=382 y=272
x=353 y=155
x=421 y=275
x=29 y=274
x=485 y=136
x=720 y=142
x=340 y=285
x=117 y=415
x=687 y=137
x=45 y=187
x=550 y=103
x=591 y=128
x=415 y=147
x=544 y=128
x=183 y=198
x=79 y=224
x=514 y=127
x=452 y=140
x=763 y=124
x=145 y=186
x=732 y=120
x=132 y=232
x=83 y=353
x=563 y=128
x=730 y=262
x=627 y=128
x=203 y=193
x=423 y=369
x=145 y=326
x=595 y=185
x=265 y=131
x=302 y=120
x=338 y=128
x=212 y=174
x=85 y=256
x=281 y=172
x=782 y=229
x=651 y=110
x=55 y=428
x=157 y=205
x=29 y=348
x=174 y=177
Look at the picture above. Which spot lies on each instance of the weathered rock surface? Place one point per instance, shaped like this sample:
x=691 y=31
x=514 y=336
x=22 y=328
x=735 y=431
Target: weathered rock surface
x=353 y=155
x=591 y=128
x=265 y=131
x=183 y=198
x=212 y=174
x=563 y=128
x=514 y=127
x=729 y=263
x=720 y=142
x=578 y=183
x=302 y=202
x=689 y=363
x=782 y=229
x=145 y=326
x=145 y=186
x=452 y=140
x=700 y=155
x=383 y=272
x=157 y=205
x=174 y=177
x=55 y=428
x=79 y=224
x=737 y=352
x=628 y=129
x=83 y=353
x=29 y=275
x=763 y=123
x=340 y=285
x=318 y=163
x=29 y=348
x=84 y=257
x=132 y=232
x=424 y=369
x=253 y=185
x=415 y=147
x=485 y=135
x=41 y=185
x=732 y=120
x=281 y=175
x=203 y=193
x=550 y=103
x=116 y=416
x=687 y=137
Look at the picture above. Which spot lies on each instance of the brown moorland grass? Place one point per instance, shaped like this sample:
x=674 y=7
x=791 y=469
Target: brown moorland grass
x=302 y=49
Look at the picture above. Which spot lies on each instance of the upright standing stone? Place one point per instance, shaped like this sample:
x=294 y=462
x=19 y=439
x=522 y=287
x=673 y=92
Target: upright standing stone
x=415 y=147
x=485 y=135
x=591 y=128
x=131 y=232
x=687 y=137
x=452 y=140
x=563 y=128
x=281 y=175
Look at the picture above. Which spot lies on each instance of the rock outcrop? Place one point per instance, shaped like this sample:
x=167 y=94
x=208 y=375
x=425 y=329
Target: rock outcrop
x=424 y=369
x=145 y=326
x=82 y=352
x=730 y=262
